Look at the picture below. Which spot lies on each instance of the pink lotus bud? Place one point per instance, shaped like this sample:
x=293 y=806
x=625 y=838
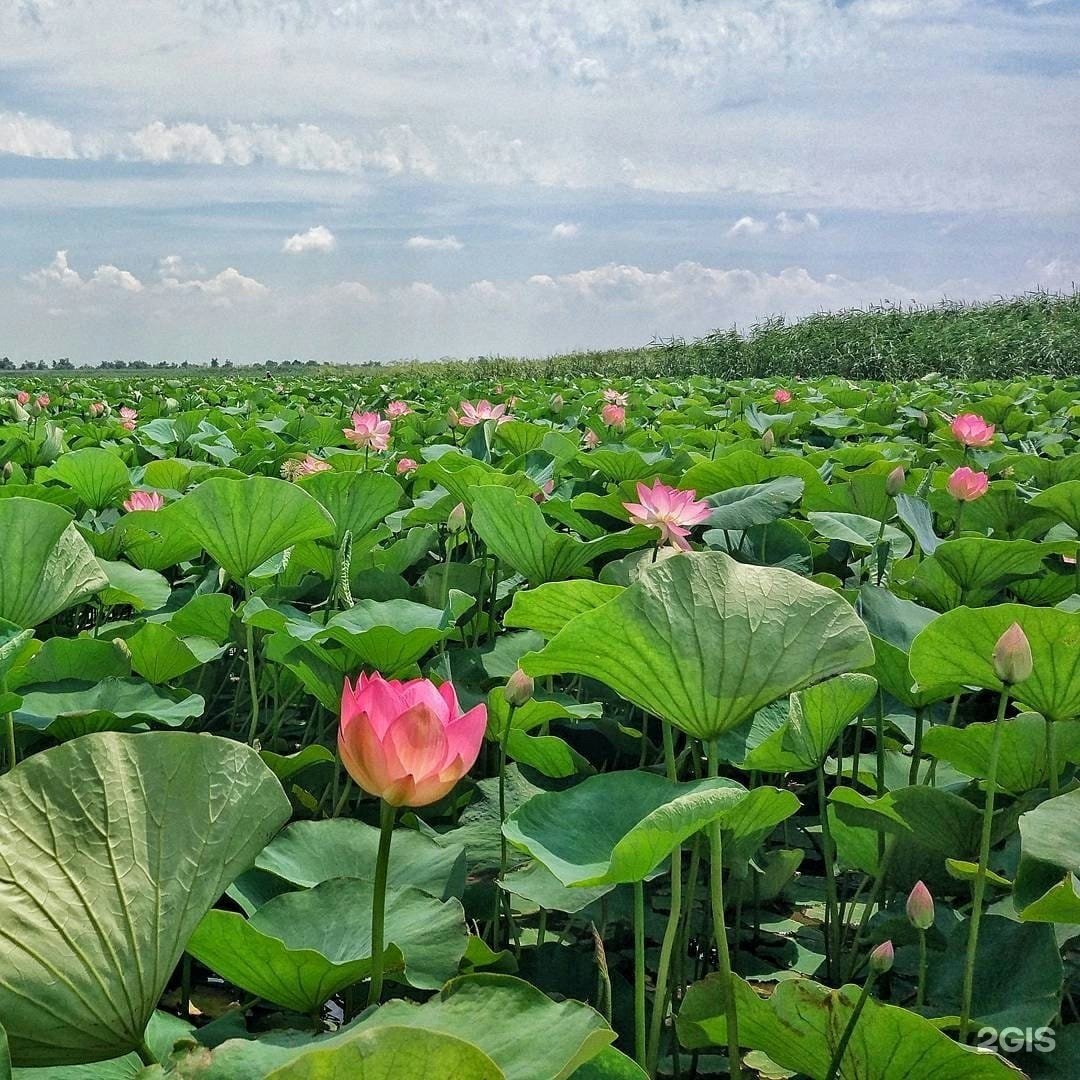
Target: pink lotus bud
x=405 y=465
x=781 y=396
x=408 y=743
x=920 y=907
x=519 y=688
x=96 y=408
x=881 y=959
x=43 y=401
x=22 y=397
x=457 y=519
x=967 y=485
x=143 y=500
x=1012 y=656
x=768 y=440
x=970 y=429
x=894 y=482
x=591 y=439
x=614 y=415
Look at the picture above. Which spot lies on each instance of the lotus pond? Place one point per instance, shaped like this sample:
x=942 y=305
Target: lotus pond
x=394 y=726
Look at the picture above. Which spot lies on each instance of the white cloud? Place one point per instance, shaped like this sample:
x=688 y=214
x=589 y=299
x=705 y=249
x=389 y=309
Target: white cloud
x=27 y=136
x=566 y=230
x=318 y=238
x=748 y=226
x=60 y=273
x=434 y=243
x=792 y=224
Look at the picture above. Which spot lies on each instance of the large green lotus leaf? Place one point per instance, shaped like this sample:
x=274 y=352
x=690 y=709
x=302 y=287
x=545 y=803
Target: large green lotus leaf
x=144 y=590
x=209 y=615
x=1061 y=500
x=16 y=650
x=1030 y=995
x=529 y=1036
x=1022 y=764
x=300 y=948
x=1051 y=832
x=535 y=883
x=157 y=539
x=619 y=827
x=704 y=642
x=97 y=476
x=742 y=468
x=623 y=463
x=47 y=565
x=85 y=659
x=392 y=1053
x=356 y=501
x=464 y=477
x=97 y=912
x=894 y=624
x=979 y=567
x=69 y=709
x=286 y=766
x=819 y=714
x=550 y=607
x=308 y=853
x=801 y=1024
x=859 y=531
x=958 y=648
x=741 y=508
x=242 y=523
x=158 y=654
x=513 y=527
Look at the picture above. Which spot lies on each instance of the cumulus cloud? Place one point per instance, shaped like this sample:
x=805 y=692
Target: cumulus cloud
x=60 y=273
x=748 y=226
x=434 y=243
x=318 y=238
x=794 y=224
x=565 y=230
x=27 y=136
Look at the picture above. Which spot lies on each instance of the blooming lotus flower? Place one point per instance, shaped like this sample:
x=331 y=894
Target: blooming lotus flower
x=405 y=465
x=22 y=397
x=781 y=396
x=672 y=511
x=613 y=397
x=143 y=500
x=397 y=408
x=970 y=429
x=308 y=465
x=591 y=439
x=127 y=418
x=369 y=430
x=920 y=907
x=614 y=415
x=407 y=742
x=966 y=484
x=471 y=415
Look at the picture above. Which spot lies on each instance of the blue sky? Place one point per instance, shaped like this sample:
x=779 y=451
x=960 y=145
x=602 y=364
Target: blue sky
x=375 y=179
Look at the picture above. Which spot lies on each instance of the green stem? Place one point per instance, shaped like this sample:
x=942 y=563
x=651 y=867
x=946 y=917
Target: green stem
x=842 y=1045
x=253 y=683
x=671 y=930
x=500 y=893
x=146 y=1055
x=916 y=747
x=639 y=973
x=920 y=995
x=9 y=733
x=716 y=896
x=832 y=914
x=378 y=902
x=1051 y=757
x=980 y=880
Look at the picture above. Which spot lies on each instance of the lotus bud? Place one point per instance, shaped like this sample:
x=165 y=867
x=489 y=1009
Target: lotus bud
x=894 y=482
x=557 y=403
x=922 y=420
x=8 y=471
x=519 y=689
x=457 y=519
x=452 y=417
x=920 y=907
x=1012 y=656
x=768 y=440
x=122 y=647
x=881 y=959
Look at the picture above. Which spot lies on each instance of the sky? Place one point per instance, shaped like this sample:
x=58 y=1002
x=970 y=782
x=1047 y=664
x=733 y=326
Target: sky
x=352 y=180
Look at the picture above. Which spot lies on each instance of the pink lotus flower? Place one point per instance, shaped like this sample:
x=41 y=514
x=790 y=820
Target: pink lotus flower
x=97 y=408
x=970 y=429
x=143 y=500
x=591 y=439
x=369 y=430
x=127 y=414
x=614 y=416
x=967 y=485
x=881 y=959
x=613 y=397
x=405 y=465
x=308 y=465
x=471 y=415
x=397 y=408
x=407 y=742
x=43 y=401
x=672 y=511
x=920 y=907
x=781 y=396
x=546 y=488
x=22 y=397
x=1012 y=657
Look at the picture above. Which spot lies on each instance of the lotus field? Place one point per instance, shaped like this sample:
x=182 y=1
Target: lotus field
x=401 y=725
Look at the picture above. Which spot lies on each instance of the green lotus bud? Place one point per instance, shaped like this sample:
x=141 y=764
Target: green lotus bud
x=1012 y=656
x=457 y=519
x=519 y=688
x=881 y=959
x=894 y=482
x=768 y=440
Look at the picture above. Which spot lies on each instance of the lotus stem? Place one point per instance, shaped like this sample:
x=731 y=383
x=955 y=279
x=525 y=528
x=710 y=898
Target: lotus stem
x=378 y=900
x=146 y=1055
x=916 y=747
x=980 y=880
x=716 y=895
x=832 y=914
x=253 y=683
x=920 y=994
x=501 y=896
x=1051 y=758
x=9 y=733
x=639 y=973
x=849 y=1030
